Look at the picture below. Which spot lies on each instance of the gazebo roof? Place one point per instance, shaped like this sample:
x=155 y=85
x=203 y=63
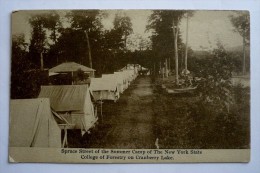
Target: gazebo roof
x=70 y=67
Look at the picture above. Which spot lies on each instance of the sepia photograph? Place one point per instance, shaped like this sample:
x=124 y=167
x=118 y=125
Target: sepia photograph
x=122 y=83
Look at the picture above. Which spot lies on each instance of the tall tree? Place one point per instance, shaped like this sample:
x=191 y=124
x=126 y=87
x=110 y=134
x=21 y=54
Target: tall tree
x=54 y=26
x=163 y=23
x=88 y=21
x=113 y=40
x=188 y=15
x=123 y=25
x=241 y=22
x=38 y=38
x=20 y=61
x=24 y=82
x=71 y=46
x=176 y=17
x=53 y=23
x=162 y=39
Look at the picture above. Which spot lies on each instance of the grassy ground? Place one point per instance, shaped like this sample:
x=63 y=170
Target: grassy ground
x=146 y=112
x=183 y=122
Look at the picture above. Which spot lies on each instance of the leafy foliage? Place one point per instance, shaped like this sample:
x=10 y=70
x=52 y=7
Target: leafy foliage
x=25 y=80
x=71 y=46
x=123 y=25
x=216 y=117
x=86 y=20
x=215 y=85
x=241 y=22
x=165 y=27
x=217 y=113
x=53 y=23
x=54 y=43
x=38 y=39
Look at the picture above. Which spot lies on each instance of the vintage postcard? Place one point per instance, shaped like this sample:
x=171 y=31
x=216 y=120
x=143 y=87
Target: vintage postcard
x=130 y=86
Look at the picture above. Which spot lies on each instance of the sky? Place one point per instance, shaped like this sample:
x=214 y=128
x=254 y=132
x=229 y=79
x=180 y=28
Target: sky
x=205 y=27
x=208 y=27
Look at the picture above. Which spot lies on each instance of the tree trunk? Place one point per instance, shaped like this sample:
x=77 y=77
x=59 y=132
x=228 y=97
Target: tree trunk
x=55 y=42
x=175 y=34
x=57 y=59
x=160 y=69
x=244 y=53
x=72 y=76
x=186 y=47
x=176 y=59
x=89 y=50
x=182 y=60
x=169 y=64
x=163 y=72
x=166 y=68
x=125 y=41
x=154 y=69
x=54 y=36
x=42 y=66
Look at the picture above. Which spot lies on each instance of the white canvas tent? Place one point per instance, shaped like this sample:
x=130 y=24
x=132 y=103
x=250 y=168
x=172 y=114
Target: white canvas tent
x=32 y=124
x=126 y=78
x=115 y=78
x=135 y=67
x=129 y=75
x=122 y=82
x=73 y=103
x=71 y=67
x=104 y=89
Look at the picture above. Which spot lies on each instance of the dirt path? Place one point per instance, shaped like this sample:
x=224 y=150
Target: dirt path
x=129 y=122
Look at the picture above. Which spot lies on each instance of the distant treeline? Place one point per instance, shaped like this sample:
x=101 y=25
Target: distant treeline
x=80 y=36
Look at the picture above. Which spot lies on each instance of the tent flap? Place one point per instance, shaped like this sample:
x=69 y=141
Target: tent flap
x=73 y=103
x=32 y=124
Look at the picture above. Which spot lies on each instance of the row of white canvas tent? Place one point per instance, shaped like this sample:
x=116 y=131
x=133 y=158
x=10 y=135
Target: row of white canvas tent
x=38 y=122
x=110 y=86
